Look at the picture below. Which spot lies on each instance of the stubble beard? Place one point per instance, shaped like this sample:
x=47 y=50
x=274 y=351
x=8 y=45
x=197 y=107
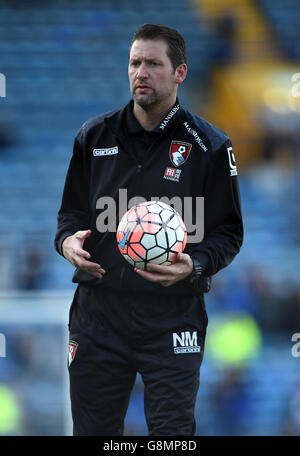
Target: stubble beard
x=145 y=99
x=149 y=100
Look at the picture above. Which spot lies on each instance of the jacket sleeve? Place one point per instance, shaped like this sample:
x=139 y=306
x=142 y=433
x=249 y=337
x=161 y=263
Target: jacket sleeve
x=223 y=225
x=74 y=213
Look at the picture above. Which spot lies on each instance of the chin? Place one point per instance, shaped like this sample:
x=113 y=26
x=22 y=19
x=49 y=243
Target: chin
x=144 y=101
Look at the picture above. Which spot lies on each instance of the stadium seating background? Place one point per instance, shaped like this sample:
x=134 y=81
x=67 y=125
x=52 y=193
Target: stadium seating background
x=67 y=61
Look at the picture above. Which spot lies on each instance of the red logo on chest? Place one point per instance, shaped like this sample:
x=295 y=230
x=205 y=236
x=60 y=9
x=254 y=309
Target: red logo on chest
x=179 y=152
x=72 y=351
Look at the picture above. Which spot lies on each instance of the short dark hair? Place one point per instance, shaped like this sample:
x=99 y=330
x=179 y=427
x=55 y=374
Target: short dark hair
x=176 y=44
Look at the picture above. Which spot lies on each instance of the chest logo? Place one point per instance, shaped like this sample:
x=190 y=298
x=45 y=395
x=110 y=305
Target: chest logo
x=172 y=174
x=72 y=351
x=179 y=152
x=107 y=151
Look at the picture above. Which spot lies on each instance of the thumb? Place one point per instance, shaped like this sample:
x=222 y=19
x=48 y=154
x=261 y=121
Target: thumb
x=180 y=256
x=83 y=234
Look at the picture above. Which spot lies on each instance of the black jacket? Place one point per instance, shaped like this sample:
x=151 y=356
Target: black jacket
x=103 y=162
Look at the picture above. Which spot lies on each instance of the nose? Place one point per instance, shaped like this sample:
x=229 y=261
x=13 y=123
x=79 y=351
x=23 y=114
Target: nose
x=142 y=72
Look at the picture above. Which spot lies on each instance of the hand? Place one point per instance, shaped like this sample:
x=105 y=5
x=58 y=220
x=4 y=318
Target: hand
x=168 y=275
x=73 y=252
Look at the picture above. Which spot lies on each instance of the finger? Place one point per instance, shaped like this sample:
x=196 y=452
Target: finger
x=152 y=277
x=96 y=274
x=94 y=270
x=164 y=272
x=159 y=268
x=82 y=263
x=82 y=253
x=89 y=266
x=182 y=257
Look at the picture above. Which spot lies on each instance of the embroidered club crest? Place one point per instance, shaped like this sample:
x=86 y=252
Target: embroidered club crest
x=72 y=351
x=179 y=152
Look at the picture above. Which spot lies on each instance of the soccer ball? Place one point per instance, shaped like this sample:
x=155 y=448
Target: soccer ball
x=151 y=232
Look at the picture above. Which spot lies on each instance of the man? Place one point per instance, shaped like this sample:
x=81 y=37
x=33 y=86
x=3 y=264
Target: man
x=124 y=320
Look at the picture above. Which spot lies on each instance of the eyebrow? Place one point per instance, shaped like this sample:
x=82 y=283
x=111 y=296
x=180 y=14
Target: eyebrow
x=147 y=60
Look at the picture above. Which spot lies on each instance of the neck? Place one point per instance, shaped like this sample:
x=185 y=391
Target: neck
x=150 y=116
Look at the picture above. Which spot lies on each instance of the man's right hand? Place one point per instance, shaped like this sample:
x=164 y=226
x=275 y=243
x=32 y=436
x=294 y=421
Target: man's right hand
x=72 y=249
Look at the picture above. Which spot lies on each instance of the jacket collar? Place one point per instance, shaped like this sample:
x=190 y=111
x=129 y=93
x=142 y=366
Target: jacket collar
x=117 y=121
x=170 y=118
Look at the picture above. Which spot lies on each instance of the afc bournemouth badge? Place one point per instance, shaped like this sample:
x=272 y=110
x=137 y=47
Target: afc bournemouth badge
x=72 y=350
x=179 y=152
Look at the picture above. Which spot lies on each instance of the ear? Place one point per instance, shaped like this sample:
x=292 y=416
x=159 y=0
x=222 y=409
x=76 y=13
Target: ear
x=180 y=73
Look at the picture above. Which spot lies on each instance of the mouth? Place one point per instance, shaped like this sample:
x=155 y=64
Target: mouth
x=142 y=88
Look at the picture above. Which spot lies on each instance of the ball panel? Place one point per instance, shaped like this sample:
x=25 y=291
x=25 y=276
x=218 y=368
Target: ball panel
x=135 y=236
x=138 y=249
x=166 y=215
x=151 y=218
x=130 y=260
x=154 y=253
x=154 y=208
x=161 y=239
x=177 y=247
x=162 y=259
x=171 y=234
x=180 y=234
x=165 y=206
x=149 y=227
x=131 y=215
x=140 y=211
x=148 y=240
x=133 y=255
x=174 y=222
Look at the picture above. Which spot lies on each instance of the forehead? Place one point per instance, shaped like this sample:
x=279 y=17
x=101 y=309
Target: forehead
x=149 y=49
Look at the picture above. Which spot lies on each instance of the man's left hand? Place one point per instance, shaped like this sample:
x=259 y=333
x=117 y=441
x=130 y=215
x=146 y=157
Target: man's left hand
x=168 y=275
